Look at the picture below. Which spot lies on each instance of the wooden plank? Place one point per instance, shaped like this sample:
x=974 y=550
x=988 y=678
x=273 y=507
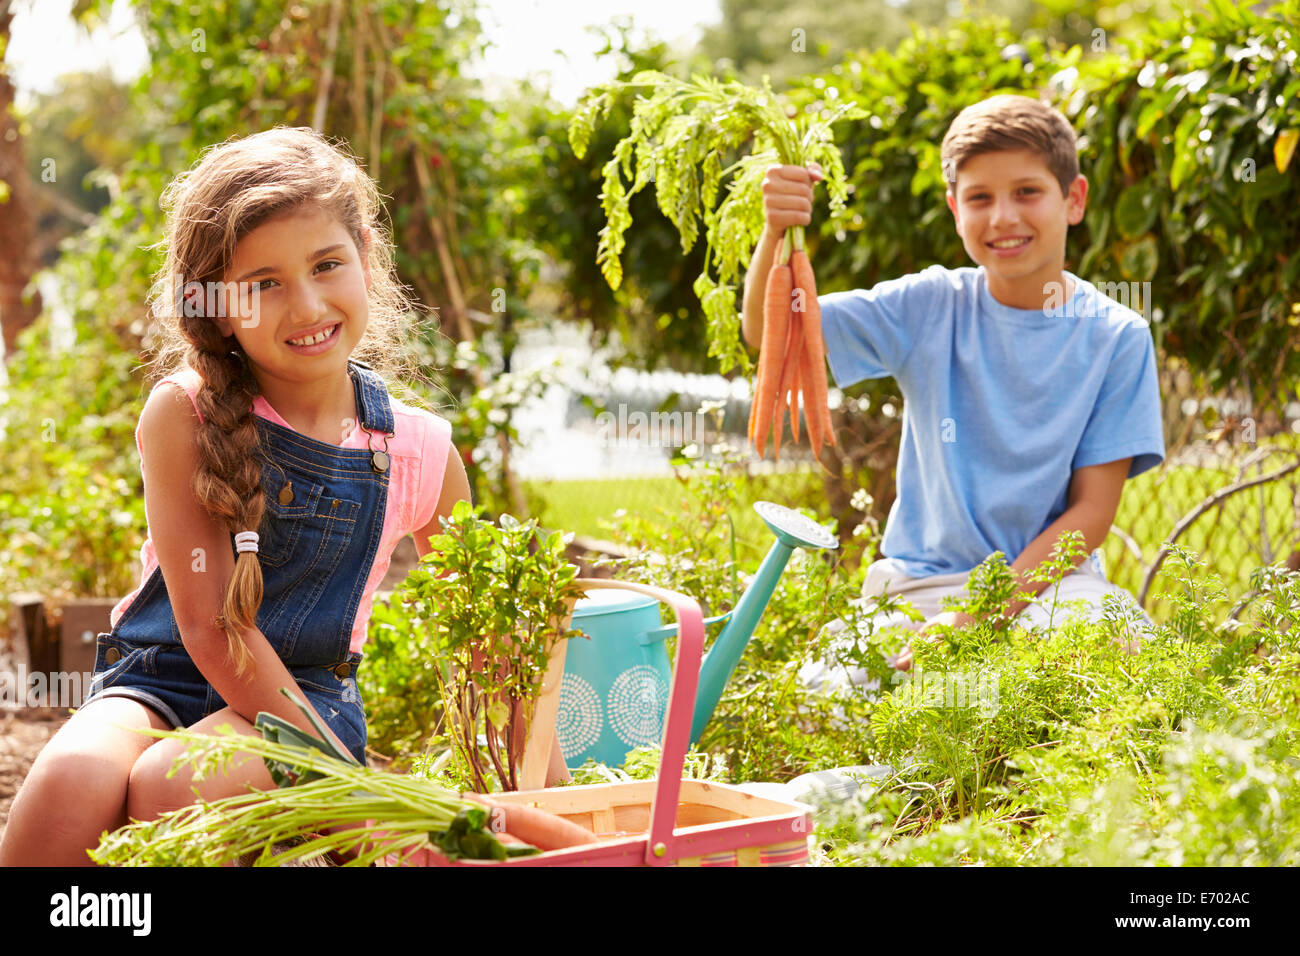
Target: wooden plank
x=738 y=801
x=603 y=822
x=541 y=737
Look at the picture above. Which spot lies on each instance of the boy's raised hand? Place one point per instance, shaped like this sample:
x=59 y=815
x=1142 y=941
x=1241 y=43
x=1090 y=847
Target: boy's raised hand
x=788 y=195
x=787 y=204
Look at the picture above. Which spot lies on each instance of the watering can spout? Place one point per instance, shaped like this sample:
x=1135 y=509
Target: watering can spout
x=792 y=530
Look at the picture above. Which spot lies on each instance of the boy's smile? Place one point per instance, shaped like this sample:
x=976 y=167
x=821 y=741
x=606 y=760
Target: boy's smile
x=1012 y=219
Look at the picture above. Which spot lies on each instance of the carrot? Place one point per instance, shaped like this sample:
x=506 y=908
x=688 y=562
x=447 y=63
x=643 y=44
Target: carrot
x=778 y=396
x=776 y=327
x=812 y=418
x=789 y=365
x=795 y=386
x=795 y=358
x=546 y=831
x=753 y=403
x=753 y=406
x=816 y=407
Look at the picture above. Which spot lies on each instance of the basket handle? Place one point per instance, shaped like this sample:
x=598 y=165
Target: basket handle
x=681 y=710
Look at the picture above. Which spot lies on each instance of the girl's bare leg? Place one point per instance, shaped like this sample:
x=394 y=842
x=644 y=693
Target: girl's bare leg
x=77 y=788
x=150 y=793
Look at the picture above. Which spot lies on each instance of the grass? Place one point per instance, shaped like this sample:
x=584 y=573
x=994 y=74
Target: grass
x=584 y=507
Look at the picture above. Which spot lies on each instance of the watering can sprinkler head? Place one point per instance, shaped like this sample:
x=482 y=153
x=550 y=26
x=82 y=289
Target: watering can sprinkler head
x=794 y=529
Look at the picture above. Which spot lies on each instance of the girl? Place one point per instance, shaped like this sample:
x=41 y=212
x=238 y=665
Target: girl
x=278 y=477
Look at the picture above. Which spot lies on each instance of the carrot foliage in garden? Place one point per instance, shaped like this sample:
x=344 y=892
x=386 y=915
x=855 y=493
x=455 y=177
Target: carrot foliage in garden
x=689 y=138
x=1106 y=742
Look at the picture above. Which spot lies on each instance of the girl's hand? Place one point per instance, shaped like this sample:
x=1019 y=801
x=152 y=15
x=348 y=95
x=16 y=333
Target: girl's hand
x=788 y=196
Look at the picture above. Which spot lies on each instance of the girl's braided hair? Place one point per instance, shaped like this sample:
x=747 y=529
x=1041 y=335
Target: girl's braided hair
x=235 y=187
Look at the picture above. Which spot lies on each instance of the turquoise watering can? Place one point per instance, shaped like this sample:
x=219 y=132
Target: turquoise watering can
x=614 y=692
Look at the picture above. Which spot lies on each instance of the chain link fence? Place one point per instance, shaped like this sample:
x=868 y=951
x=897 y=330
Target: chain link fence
x=1228 y=491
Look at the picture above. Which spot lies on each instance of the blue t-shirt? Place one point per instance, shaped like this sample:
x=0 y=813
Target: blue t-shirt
x=1001 y=405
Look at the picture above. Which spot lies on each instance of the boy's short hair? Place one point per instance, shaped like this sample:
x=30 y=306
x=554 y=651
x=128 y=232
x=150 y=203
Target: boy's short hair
x=1009 y=122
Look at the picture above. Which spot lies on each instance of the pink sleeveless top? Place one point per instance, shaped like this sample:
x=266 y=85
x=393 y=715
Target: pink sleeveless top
x=418 y=452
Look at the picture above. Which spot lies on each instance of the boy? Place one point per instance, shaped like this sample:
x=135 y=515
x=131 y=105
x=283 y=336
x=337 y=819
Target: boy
x=1029 y=396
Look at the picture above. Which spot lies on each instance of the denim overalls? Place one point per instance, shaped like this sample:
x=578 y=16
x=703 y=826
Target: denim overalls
x=317 y=544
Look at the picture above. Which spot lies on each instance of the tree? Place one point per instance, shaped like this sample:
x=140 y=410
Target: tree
x=785 y=40
x=83 y=136
x=17 y=220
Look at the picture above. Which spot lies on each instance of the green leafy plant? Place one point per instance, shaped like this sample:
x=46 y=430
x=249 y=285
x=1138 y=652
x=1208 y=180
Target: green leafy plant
x=399 y=683
x=493 y=601
x=1177 y=750
x=71 y=497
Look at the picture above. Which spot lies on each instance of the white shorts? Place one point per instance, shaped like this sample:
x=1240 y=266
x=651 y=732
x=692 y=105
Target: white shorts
x=1086 y=584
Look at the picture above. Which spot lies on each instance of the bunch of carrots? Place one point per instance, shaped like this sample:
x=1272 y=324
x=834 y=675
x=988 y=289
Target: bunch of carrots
x=683 y=139
x=792 y=356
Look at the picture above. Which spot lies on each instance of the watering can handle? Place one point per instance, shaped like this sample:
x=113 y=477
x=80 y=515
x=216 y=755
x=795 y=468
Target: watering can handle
x=681 y=710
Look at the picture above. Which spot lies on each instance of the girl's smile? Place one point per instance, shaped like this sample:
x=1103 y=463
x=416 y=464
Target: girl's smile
x=316 y=340
x=309 y=311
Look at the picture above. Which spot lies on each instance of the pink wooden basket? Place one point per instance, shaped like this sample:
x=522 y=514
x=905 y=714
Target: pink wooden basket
x=665 y=822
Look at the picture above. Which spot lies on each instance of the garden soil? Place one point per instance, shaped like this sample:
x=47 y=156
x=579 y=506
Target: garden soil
x=22 y=735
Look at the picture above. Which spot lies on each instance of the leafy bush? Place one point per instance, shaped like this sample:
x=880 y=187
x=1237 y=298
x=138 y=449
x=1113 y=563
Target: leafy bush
x=1180 y=754
x=1185 y=143
x=482 y=612
x=72 y=499
x=399 y=683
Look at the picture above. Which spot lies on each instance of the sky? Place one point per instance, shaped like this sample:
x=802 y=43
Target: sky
x=529 y=37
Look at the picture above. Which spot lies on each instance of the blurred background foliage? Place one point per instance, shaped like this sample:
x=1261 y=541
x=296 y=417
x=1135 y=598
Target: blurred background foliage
x=1183 y=112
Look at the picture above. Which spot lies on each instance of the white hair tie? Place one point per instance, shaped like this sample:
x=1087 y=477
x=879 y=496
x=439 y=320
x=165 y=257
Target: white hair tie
x=246 y=541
